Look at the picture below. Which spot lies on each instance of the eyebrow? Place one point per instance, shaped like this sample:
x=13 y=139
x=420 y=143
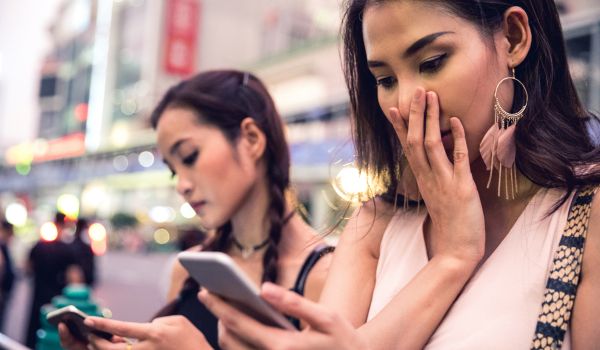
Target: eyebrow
x=421 y=43
x=176 y=146
x=414 y=48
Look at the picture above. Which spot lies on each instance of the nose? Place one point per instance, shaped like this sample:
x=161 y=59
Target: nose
x=183 y=186
x=405 y=97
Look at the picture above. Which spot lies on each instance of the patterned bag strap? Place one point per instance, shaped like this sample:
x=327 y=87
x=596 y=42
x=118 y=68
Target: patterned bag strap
x=564 y=277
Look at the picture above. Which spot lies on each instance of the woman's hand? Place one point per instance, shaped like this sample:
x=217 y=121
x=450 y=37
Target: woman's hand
x=326 y=329
x=171 y=332
x=447 y=187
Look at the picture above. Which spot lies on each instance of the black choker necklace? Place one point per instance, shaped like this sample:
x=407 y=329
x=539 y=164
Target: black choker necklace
x=248 y=251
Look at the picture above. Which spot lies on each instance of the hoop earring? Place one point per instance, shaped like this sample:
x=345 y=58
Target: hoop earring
x=497 y=147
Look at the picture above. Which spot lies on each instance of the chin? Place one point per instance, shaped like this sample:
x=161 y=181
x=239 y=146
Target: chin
x=211 y=223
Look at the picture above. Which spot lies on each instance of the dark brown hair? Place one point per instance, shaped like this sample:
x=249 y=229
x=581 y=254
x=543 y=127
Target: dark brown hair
x=223 y=98
x=552 y=140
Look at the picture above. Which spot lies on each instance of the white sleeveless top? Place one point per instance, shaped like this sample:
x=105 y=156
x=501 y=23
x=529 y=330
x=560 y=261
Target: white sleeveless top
x=499 y=306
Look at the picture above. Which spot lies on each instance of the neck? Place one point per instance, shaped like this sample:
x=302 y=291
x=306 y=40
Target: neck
x=490 y=201
x=250 y=222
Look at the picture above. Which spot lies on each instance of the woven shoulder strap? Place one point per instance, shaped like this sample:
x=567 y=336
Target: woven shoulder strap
x=564 y=277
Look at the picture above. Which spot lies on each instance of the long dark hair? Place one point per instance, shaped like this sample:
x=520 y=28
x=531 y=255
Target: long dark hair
x=223 y=98
x=552 y=140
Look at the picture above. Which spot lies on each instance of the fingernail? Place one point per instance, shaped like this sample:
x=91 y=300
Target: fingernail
x=88 y=322
x=430 y=96
x=202 y=295
x=418 y=94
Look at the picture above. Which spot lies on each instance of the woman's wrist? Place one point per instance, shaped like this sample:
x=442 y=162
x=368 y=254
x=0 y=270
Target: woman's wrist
x=459 y=268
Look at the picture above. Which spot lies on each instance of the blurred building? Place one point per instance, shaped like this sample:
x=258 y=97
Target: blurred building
x=112 y=60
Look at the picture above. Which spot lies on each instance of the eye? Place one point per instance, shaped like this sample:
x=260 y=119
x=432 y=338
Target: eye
x=386 y=82
x=433 y=65
x=190 y=159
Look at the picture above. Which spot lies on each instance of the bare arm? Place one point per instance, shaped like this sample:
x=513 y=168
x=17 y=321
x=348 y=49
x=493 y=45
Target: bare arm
x=348 y=291
x=409 y=325
x=351 y=280
x=584 y=324
x=178 y=276
x=317 y=277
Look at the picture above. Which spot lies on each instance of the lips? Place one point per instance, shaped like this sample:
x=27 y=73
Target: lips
x=197 y=206
x=447 y=139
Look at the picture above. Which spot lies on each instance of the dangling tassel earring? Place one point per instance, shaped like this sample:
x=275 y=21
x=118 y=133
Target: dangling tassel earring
x=497 y=147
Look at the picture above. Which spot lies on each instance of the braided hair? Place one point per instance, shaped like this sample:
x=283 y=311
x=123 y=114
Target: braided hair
x=223 y=98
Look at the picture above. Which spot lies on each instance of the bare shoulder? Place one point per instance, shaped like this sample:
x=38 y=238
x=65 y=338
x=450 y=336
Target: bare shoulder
x=178 y=276
x=365 y=227
x=317 y=277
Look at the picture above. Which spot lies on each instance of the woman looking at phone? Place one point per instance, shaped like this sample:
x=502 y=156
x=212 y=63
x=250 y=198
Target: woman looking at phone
x=474 y=101
x=223 y=139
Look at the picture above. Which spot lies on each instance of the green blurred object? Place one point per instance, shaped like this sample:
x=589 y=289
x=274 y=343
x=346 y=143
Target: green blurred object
x=78 y=295
x=123 y=220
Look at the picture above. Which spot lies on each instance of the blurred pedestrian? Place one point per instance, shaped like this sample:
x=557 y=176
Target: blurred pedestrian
x=7 y=272
x=83 y=251
x=52 y=265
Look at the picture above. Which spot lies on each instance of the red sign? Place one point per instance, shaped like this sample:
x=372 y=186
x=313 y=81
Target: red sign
x=181 y=36
x=68 y=146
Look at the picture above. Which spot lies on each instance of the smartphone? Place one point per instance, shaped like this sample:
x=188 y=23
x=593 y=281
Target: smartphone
x=218 y=273
x=73 y=318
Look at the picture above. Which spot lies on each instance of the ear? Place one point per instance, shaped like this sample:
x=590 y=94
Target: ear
x=517 y=34
x=252 y=139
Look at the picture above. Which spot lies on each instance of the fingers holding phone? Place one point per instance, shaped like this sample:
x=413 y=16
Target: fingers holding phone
x=327 y=330
x=165 y=333
x=73 y=332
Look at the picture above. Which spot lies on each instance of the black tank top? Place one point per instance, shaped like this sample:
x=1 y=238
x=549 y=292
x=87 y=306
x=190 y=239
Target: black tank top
x=188 y=305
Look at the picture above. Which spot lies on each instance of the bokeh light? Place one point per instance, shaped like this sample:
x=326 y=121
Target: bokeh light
x=187 y=211
x=68 y=204
x=16 y=214
x=146 y=159
x=162 y=236
x=48 y=232
x=97 y=232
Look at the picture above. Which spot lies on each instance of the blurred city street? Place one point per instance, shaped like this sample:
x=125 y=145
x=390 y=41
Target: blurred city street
x=131 y=285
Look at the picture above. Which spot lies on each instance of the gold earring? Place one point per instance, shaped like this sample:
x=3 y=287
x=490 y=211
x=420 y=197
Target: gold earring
x=503 y=117
x=498 y=145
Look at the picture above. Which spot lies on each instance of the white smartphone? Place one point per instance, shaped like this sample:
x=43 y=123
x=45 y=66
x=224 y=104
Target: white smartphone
x=73 y=318
x=218 y=273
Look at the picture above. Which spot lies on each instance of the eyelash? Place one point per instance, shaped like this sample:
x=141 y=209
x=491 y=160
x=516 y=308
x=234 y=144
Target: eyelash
x=190 y=159
x=433 y=65
x=386 y=82
x=429 y=66
x=187 y=161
